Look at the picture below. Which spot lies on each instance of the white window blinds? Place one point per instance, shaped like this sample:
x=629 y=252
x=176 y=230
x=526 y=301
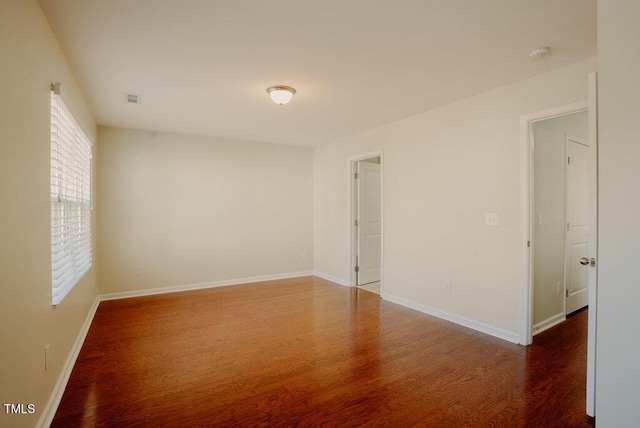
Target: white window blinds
x=70 y=200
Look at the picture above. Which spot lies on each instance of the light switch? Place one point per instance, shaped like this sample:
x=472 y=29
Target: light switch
x=491 y=219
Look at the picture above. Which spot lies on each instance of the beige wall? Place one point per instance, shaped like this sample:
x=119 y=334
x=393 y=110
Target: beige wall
x=443 y=170
x=29 y=61
x=618 y=351
x=193 y=210
x=549 y=185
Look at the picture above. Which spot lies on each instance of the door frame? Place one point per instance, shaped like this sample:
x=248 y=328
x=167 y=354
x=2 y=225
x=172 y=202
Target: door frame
x=352 y=204
x=526 y=171
x=527 y=206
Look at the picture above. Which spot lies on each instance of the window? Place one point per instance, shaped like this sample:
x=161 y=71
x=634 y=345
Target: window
x=70 y=199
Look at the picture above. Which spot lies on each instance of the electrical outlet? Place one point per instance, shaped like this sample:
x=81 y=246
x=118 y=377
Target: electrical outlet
x=447 y=286
x=47 y=357
x=558 y=287
x=138 y=270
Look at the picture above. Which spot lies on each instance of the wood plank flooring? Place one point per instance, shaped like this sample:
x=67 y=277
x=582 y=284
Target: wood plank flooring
x=307 y=352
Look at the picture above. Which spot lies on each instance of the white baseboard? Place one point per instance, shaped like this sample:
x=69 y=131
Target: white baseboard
x=331 y=278
x=188 y=287
x=50 y=409
x=548 y=323
x=466 y=322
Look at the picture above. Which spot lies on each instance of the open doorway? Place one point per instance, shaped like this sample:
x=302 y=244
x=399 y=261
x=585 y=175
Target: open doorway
x=560 y=228
x=578 y=251
x=366 y=222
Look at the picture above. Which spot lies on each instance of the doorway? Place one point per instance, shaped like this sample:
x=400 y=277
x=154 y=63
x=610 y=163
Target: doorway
x=529 y=220
x=560 y=217
x=365 y=221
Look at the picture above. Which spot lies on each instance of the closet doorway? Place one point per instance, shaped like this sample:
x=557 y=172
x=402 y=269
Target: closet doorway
x=366 y=222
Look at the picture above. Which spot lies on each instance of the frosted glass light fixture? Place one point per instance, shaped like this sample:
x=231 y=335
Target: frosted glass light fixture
x=281 y=94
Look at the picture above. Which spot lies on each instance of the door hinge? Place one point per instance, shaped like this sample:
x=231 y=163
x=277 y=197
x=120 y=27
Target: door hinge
x=568 y=227
x=568 y=160
x=356 y=175
x=528 y=244
x=566 y=292
x=355 y=223
x=357 y=268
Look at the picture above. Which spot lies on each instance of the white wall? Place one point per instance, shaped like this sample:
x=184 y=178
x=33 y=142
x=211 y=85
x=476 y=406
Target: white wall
x=443 y=170
x=618 y=349
x=193 y=210
x=29 y=61
x=549 y=184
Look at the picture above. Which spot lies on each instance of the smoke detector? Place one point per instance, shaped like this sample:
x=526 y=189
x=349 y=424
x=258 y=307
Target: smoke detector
x=539 y=53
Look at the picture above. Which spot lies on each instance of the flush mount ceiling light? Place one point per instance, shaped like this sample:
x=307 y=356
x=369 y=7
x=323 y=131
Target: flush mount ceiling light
x=539 y=53
x=281 y=94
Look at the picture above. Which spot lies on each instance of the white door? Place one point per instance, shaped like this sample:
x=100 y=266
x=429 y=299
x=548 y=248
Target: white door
x=369 y=223
x=593 y=244
x=577 y=233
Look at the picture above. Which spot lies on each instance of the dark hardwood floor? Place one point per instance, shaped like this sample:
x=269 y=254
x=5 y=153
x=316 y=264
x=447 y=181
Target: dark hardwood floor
x=306 y=352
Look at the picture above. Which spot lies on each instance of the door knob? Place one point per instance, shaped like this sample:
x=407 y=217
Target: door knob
x=584 y=261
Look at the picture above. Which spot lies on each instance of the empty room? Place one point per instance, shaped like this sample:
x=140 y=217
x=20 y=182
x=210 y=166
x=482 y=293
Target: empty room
x=285 y=213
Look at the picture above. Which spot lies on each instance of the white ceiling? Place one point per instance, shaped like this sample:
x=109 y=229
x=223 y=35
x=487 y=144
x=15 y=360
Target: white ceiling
x=203 y=66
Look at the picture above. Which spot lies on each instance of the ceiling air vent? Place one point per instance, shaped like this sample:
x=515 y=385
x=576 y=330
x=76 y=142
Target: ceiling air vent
x=132 y=98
